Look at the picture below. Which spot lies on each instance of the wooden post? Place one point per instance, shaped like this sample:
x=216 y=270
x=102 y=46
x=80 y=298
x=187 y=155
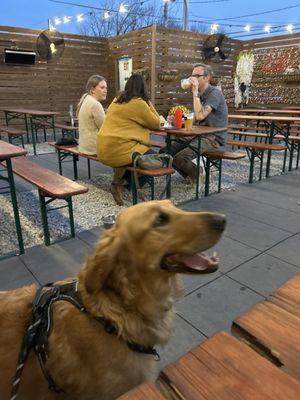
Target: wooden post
x=153 y=64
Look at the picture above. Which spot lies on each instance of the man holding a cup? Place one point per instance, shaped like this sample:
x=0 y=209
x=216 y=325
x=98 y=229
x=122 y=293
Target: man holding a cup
x=210 y=109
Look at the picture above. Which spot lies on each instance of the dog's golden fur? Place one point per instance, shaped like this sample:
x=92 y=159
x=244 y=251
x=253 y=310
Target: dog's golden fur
x=122 y=280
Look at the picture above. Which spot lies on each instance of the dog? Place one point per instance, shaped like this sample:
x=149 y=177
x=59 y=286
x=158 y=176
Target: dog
x=131 y=280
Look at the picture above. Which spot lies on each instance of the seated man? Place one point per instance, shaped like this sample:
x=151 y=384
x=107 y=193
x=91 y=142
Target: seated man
x=210 y=109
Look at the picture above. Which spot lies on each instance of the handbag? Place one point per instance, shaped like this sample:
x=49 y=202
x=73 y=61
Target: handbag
x=67 y=140
x=152 y=161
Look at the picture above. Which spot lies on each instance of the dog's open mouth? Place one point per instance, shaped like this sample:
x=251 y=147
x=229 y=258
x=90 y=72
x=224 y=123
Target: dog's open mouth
x=199 y=263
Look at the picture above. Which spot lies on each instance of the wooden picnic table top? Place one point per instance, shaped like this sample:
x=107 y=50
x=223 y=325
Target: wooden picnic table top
x=29 y=111
x=274 y=118
x=224 y=368
x=269 y=110
x=8 y=150
x=197 y=130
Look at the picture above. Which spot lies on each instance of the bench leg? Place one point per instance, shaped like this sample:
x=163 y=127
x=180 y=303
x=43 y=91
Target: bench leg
x=298 y=156
x=10 y=178
x=44 y=219
x=133 y=189
x=207 y=176
x=291 y=155
x=261 y=165
x=168 y=186
x=71 y=216
x=22 y=141
x=89 y=168
x=75 y=159
x=252 y=157
x=59 y=162
x=220 y=175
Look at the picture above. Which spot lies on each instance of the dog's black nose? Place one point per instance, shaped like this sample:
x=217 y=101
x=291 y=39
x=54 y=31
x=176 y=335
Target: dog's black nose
x=219 y=222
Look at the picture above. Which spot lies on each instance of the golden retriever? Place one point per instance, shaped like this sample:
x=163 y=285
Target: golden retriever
x=131 y=279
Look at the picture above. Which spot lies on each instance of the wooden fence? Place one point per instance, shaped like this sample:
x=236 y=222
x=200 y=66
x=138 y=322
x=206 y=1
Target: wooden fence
x=55 y=85
x=50 y=85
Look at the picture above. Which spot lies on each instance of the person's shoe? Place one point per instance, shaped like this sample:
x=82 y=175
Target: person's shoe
x=117 y=191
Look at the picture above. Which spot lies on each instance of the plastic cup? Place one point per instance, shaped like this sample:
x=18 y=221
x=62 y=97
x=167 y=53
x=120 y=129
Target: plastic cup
x=185 y=84
x=188 y=122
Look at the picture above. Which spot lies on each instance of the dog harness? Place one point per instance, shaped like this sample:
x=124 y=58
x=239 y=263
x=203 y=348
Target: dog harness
x=36 y=336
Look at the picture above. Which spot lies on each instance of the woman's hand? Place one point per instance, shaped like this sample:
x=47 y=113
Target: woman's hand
x=162 y=120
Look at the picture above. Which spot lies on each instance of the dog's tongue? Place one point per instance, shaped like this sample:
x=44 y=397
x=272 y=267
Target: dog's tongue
x=197 y=263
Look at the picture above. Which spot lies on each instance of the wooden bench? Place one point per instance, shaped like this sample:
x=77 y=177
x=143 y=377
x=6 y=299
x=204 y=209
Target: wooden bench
x=224 y=368
x=72 y=151
x=51 y=186
x=13 y=133
x=213 y=159
x=256 y=151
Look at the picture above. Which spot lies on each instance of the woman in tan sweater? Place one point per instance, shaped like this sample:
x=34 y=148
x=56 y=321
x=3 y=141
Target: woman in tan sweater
x=90 y=113
x=125 y=132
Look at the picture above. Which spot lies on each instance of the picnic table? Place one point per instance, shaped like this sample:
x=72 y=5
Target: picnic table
x=190 y=134
x=35 y=117
x=272 y=122
x=8 y=151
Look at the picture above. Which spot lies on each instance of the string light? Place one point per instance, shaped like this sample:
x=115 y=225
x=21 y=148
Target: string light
x=214 y=28
x=267 y=28
x=57 y=21
x=79 y=18
x=66 y=19
x=123 y=8
x=247 y=28
x=290 y=28
x=106 y=14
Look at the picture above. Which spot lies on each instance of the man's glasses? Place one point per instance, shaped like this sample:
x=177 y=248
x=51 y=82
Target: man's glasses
x=197 y=76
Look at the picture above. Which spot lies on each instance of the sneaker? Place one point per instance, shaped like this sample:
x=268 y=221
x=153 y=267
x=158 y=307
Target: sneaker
x=117 y=191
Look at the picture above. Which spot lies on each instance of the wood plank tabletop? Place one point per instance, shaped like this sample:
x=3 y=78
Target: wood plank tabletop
x=278 y=118
x=29 y=111
x=274 y=332
x=288 y=295
x=8 y=150
x=269 y=110
x=197 y=130
x=224 y=368
x=146 y=391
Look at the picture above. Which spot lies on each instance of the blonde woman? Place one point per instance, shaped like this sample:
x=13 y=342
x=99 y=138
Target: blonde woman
x=90 y=113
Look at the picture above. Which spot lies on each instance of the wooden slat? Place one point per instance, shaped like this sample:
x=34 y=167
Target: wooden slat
x=224 y=368
x=288 y=295
x=274 y=332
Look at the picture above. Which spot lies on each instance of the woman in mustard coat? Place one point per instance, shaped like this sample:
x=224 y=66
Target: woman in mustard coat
x=125 y=132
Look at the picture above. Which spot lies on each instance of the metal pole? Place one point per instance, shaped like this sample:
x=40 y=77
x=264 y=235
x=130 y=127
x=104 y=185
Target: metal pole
x=185 y=15
x=166 y=7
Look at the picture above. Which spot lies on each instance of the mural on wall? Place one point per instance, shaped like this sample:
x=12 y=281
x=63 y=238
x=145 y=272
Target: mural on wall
x=243 y=77
x=125 y=71
x=275 y=76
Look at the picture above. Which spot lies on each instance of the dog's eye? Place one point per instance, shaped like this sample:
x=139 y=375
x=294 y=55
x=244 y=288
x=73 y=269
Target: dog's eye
x=161 y=219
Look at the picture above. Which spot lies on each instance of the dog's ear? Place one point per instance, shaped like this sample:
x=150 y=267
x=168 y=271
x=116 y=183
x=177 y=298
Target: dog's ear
x=99 y=265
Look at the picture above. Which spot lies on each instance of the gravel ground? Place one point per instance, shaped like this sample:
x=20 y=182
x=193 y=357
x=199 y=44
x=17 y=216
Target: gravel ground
x=89 y=208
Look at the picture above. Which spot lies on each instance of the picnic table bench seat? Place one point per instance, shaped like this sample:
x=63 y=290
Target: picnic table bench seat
x=51 y=186
x=256 y=151
x=288 y=295
x=73 y=151
x=145 y=391
x=13 y=133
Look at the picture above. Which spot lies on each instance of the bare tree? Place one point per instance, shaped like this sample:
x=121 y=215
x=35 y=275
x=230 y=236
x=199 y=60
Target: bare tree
x=138 y=15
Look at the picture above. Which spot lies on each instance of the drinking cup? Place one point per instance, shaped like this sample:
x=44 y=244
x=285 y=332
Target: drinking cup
x=185 y=83
x=188 y=123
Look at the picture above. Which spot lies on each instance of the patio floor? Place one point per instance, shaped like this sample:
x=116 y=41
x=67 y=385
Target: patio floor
x=260 y=250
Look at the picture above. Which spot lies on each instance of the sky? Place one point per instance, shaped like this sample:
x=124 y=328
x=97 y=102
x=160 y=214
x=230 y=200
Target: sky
x=35 y=13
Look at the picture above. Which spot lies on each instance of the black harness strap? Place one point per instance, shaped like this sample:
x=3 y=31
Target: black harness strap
x=36 y=336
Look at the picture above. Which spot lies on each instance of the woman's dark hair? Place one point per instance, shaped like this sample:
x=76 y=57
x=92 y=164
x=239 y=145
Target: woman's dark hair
x=135 y=87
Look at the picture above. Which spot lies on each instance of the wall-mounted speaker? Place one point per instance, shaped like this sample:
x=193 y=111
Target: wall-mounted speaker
x=13 y=56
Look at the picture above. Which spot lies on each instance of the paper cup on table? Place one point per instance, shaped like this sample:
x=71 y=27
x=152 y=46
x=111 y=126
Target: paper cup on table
x=188 y=122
